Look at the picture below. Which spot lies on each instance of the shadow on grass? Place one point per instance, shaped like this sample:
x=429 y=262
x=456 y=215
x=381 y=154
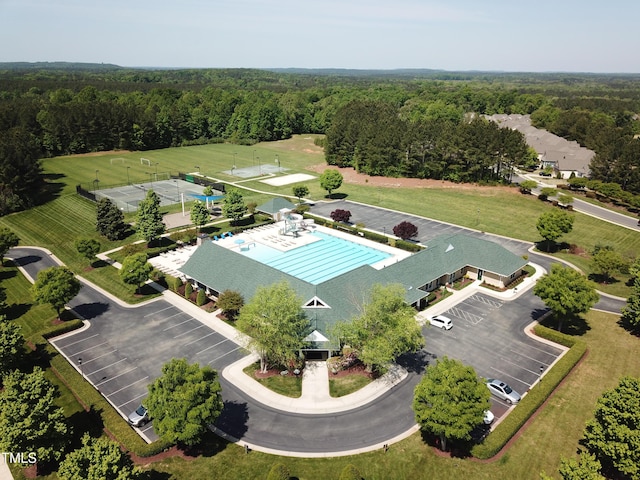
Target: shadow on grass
x=16 y=310
x=337 y=196
x=549 y=246
x=455 y=449
x=602 y=279
x=210 y=445
x=632 y=329
x=51 y=188
x=573 y=326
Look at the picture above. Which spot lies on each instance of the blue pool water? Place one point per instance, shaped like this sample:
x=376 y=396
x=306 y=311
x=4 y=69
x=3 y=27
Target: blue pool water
x=318 y=261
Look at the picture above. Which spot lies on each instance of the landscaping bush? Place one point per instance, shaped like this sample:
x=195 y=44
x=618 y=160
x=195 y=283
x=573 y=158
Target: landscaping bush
x=188 y=290
x=536 y=396
x=201 y=299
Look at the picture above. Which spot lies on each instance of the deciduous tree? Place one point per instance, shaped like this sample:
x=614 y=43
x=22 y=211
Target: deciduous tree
x=300 y=191
x=605 y=261
x=631 y=311
x=526 y=186
x=585 y=467
x=233 y=206
x=339 y=215
x=199 y=214
x=553 y=224
x=135 y=270
x=330 y=180
x=566 y=292
x=386 y=329
x=30 y=420
x=11 y=346
x=230 y=302
x=98 y=459
x=55 y=286
x=405 y=230
x=184 y=401
x=149 y=222
x=276 y=323
x=8 y=240
x=87 y=247
x=450 y=401
x=613 y=434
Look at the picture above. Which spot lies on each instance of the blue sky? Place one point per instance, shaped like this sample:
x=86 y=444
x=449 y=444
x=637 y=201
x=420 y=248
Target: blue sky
x=507 y=35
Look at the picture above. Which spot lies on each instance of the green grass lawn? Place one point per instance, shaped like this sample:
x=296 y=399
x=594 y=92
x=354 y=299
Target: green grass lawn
x=287 y=385
x=344 y=385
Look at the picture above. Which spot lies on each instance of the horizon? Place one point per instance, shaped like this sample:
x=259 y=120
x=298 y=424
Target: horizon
x=457 y=36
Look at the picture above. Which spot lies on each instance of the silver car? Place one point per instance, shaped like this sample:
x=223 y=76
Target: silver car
x=503 y=391
x=138 y=417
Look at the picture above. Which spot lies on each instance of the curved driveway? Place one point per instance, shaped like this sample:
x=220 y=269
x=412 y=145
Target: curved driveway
x=136 y=330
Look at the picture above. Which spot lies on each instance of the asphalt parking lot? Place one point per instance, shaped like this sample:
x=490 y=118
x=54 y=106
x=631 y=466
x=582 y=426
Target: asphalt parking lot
x=123 y=352
x=488 y=334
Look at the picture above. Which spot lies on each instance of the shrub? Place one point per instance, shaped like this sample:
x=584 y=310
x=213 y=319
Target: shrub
x=188 y=290
x=340 y=215
x=405 y=230
x=201 y=298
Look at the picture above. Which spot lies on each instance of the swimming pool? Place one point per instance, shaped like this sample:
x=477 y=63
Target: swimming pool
x=319 y=261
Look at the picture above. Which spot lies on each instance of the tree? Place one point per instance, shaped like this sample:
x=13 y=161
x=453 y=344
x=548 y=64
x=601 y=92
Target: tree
x=98 y=459
x=8 y=240
x=184 y=401
x=605 y=261
x=207 y=191
x=330 y=180
x=300 y=191
x=547 y=192
x=586 y=467
x=386 y=329
x=526 y=186
x=55 y=286
x=149 y=222
x=340 y=215
x=613 y=434
x=201 y=297
x=566 y=292
x=553 y=224
x=631 y=311
x=405 y=230
x=450 y=401
x=135 y=270
x=87 y=247
x=11 y=346
x=233 y=206
x=30 y=420
x=110 y=220
x=230 y=302
x=276 y=323
x=199 y=214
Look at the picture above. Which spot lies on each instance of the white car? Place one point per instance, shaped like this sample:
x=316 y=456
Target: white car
x=441 y=321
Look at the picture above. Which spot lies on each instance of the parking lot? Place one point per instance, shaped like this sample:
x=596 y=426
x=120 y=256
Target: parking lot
x=488 y=334
x=123 y=352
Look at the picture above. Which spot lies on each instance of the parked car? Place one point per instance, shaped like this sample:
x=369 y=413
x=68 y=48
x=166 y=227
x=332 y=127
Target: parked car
x=441 y=321
x=488 y=417
x=503 y=391
x=138 y=417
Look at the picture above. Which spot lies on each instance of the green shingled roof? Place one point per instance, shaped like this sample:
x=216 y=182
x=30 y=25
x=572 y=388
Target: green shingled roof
x=224 y=269
x=274 y=205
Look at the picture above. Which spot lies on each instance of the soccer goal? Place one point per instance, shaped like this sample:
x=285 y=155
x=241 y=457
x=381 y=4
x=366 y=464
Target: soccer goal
x=118 y=160
x=163 y=176
x=145 y=161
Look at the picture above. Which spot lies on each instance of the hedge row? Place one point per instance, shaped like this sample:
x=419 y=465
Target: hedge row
x=536 y=396
x=111 y=419
x=376 y=237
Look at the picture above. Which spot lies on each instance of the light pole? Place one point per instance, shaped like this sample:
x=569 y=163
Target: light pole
x=541 y=370
x=234 y=159
x=278 y=162
x=197 y=167
x=178 y=189
x=128 y=182
x=96 y=182
x=259 y=166
x=80 y=365
x=254 y=158
x=156 y=171
x=151 y=179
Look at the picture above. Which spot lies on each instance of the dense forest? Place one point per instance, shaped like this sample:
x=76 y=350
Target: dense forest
x=420 y=123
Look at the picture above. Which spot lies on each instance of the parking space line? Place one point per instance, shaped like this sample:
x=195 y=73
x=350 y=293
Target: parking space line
x=90 y=348
x=100 y=356
x=113 y=378
x=201 y=338
x=464 y=315
x=134 y=398
x=178 y=324
x=530 y=358
x=158 y=311
x=78 y=341
x=486 y=300
x=127 y=386
x=212 y=346
x=541 y=350
x=510 y=376
x=189 y=331
x=108 y=366
x=221 y=356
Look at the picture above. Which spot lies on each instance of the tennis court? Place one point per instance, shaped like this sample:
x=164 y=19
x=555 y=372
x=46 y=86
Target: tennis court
x=127 y=197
